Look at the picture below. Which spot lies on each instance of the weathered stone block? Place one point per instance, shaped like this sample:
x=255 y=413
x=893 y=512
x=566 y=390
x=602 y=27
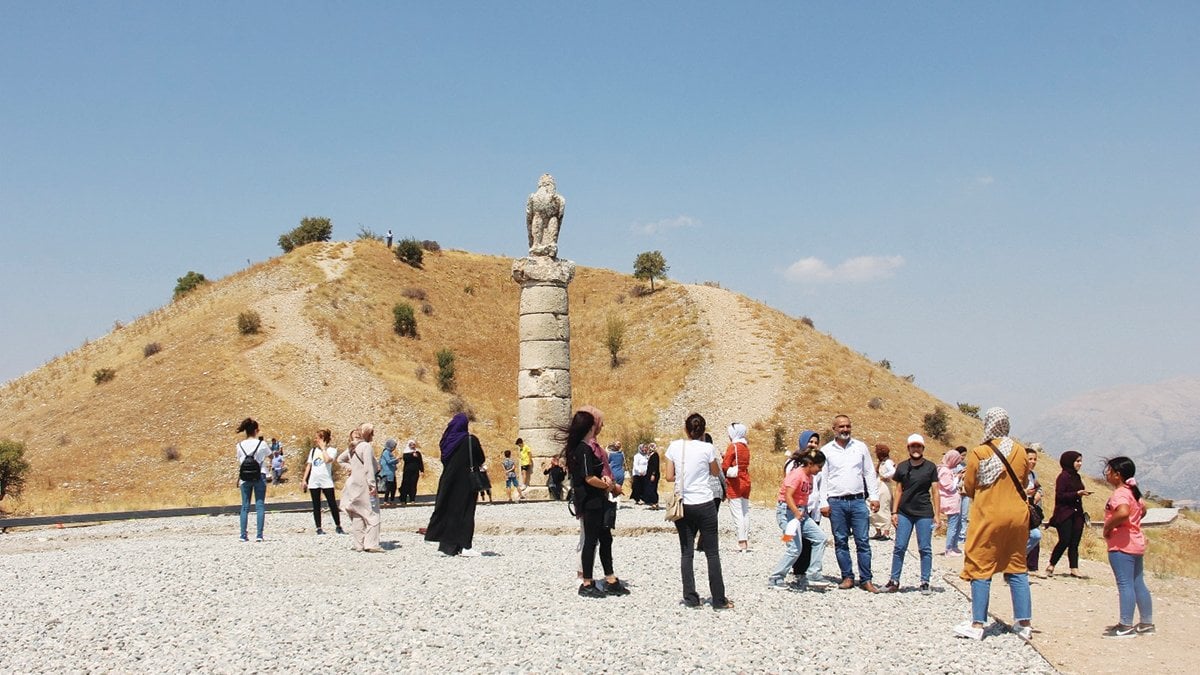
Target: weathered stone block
x=544 y=327
x=543 y=300
x=542 y=269
x=544 y=412
x=544 y=354
x=548 y=382
x=544 y=442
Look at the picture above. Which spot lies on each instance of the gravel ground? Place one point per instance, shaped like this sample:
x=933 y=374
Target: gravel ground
x=184 y=594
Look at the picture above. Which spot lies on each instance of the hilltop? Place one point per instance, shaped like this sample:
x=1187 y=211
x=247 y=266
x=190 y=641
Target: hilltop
x=327 y=356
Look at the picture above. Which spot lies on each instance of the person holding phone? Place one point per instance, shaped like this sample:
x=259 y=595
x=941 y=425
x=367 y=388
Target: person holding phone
x=1068 y=512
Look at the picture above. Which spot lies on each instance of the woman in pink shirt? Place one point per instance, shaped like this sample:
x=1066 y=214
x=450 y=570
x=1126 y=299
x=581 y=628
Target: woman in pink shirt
x=1126 y=548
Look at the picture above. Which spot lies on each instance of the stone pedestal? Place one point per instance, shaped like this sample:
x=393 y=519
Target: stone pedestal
x=544 y=374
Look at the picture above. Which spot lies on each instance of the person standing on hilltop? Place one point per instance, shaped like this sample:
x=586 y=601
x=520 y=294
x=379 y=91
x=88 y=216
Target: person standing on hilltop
x=389 y=237
x=994 y=480
x=1068 y=512
x=848 y=470
x=360 y=496
x=252 y=454
x=736 y=465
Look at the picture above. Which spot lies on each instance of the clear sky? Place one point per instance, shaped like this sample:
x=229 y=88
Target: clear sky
x=1003 y=200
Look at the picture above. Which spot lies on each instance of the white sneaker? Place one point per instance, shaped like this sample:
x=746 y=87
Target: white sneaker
x=1023 y=632
x=968 y=630
x=469 y=553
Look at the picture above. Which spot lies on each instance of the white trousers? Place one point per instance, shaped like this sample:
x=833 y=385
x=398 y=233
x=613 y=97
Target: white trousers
x=739 y=508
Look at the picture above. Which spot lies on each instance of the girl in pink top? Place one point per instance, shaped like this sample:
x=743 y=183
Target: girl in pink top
x=1126 y=548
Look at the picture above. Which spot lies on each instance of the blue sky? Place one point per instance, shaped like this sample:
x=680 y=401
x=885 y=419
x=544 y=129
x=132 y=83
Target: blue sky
x=1000 y=199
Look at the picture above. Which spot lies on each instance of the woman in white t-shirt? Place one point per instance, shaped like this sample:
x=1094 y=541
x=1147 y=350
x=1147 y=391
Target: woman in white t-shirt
x=318 y=478
x=252 y=449
x=690 y=464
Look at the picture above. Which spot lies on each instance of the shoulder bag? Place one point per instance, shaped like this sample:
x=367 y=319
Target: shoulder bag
x=675 y=499
x=1036 y=515
x=476 y=479
x=732 y=471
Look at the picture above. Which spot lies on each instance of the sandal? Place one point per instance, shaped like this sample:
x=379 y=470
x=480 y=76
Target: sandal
x=728 y=605
x=1049 y=571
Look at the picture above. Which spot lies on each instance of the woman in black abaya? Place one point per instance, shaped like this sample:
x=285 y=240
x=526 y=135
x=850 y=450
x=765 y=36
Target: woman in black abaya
x=452 y=524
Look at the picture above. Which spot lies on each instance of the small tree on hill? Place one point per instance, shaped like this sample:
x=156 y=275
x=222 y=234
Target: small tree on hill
x=445 y=376
x=614 y=338
x=410 y=252
x=13 y=468
x=936 y=424
x=188 y=283
x=969 y=410
x=650 y=264
x=310 y=230
x=404 y=320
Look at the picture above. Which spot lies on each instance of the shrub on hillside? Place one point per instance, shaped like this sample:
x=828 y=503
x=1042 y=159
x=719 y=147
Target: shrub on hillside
x=419 y=373
x=969 y=410
x=188 y=283
x=414 y=293
x=875 y=403
x=409 y=252
x=614 y=338
x=469 y=289
x=885 y=364
x=103 y=375
x=14 y=468
x=171 y=453
x=458 y=405
x=445 y=376
x=779 y=439
x=431 y=246
x=404 y=322
x=367 y=234
x=249 y=322
x=806 y=321
x=936 y=424
x=426 y=309
x=310 y=230
x=151 y=349
x=638 y=290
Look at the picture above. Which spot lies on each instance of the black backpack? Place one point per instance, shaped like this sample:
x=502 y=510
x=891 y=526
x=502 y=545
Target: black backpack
x=250 y=469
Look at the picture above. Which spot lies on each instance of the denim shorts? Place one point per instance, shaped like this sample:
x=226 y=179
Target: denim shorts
x=511 y=482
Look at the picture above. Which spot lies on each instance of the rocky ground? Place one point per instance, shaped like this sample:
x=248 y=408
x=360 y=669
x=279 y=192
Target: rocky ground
x=185 y=595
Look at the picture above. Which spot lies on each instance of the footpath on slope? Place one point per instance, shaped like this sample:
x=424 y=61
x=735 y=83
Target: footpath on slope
x=741 y=378
x=302 y=366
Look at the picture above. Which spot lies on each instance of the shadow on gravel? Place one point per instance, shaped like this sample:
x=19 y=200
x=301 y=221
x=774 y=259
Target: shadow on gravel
x=637 y=531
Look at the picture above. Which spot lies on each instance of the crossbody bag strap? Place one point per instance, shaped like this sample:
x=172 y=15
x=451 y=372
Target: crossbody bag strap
x=1011 y=474
x=470 y=452
x=679 y=477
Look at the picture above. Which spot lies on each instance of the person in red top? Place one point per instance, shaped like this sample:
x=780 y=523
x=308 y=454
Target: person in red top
x=1126 y=548
x=736 y=466
x=792 y=514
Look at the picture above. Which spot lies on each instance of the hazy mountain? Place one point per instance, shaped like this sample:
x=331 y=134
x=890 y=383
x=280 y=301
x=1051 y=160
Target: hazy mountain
x=1156 y=424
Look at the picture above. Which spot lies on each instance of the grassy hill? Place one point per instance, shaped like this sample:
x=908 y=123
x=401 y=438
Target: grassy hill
x=327 y=356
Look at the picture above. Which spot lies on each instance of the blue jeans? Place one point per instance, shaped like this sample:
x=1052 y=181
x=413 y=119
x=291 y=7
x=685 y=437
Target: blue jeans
x=1131 y=587
x=904 y=529
x=851 y=517
x=810 y=532
x=965 y=520
x=1018 y=587
x=955 y=527
x=259 y=488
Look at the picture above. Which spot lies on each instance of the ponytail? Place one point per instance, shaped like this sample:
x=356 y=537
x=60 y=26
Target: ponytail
x=1126 y=469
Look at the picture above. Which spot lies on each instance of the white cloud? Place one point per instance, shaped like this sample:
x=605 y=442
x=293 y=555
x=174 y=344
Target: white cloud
x=852 y=270
x=665 y=225
x=985 y=180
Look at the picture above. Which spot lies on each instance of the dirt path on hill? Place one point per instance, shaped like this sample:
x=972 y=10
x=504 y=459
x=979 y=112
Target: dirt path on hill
x=742 y=378
x=302 y=366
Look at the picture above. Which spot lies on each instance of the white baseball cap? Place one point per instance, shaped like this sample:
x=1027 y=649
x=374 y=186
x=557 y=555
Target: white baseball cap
x=916 y=439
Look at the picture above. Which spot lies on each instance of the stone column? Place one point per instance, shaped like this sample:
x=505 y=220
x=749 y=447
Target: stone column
x=544 y=375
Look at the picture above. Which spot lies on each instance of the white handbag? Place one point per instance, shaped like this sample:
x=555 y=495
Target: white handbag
x=732 y=471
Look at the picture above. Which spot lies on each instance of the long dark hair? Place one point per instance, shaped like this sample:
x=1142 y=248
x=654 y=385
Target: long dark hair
x=248 y=427
x=581 y=425
x=1125 y=468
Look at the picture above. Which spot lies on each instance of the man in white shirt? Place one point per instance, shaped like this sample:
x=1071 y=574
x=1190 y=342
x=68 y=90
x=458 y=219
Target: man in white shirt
x=850 y=492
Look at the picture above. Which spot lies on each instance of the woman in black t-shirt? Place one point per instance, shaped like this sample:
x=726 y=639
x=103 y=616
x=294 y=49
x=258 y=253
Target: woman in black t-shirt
x=592 y=485
x=916 y=506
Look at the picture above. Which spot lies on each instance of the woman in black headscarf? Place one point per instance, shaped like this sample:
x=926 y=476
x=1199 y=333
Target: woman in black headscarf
x=1068 y=512
x=452 y=524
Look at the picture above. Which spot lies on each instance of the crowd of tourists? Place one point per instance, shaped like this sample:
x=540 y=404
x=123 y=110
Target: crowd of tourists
x=988 y=498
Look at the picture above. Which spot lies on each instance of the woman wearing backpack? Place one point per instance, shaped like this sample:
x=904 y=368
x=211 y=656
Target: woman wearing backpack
x=251 y=453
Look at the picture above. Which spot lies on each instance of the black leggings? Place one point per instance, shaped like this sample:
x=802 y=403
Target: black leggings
x=315 y=493
x=594 y=532
x=389 y=491
x=1070 y=531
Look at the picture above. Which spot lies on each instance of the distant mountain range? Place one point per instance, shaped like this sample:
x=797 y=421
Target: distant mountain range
x=1157 y=425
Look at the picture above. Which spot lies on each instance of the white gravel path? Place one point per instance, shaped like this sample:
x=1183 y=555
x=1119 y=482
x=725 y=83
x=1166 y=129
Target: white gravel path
x=183 y=594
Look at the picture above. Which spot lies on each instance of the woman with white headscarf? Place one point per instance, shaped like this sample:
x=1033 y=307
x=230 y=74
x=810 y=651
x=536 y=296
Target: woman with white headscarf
x=414 y=466
x=999 y=526
x=736 y=466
